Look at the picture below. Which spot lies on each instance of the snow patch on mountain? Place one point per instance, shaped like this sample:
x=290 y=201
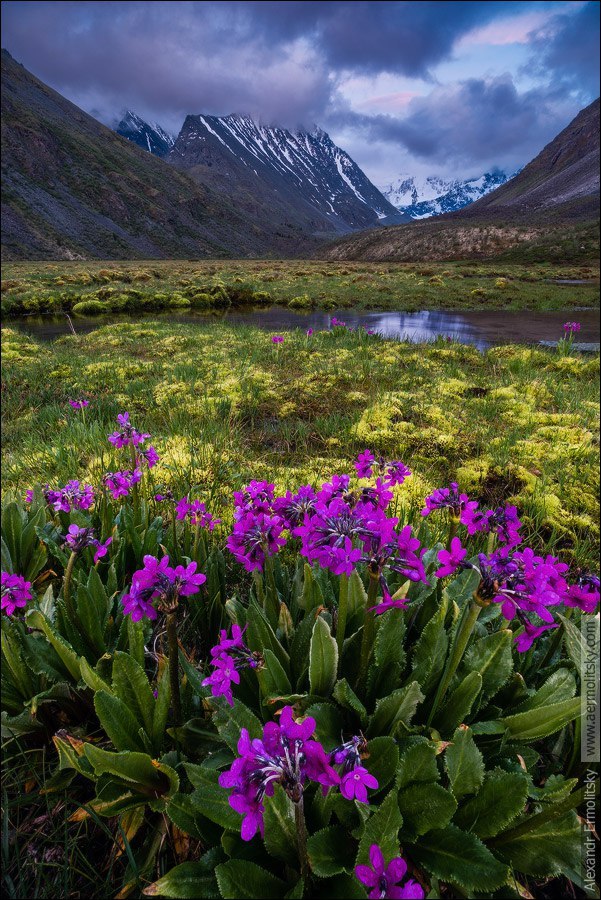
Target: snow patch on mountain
x=421 y=198
x=149 y=135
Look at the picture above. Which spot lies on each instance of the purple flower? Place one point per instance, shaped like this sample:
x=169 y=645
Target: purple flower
x=127 y=434
x=158 y=581
x=29 y=495
x=71 y=496
x=150 y=455
x=77 y=539
x=285 y=755
x=293 y=507
x=220 y=680
x=392 y=473
x=15 y=592
x=525 y=640
x=277 y=339
x=309 y=332
x=102 y=549
x=255 y=536
x=337 y=323
x=451 y=559
x=503 y=521
x=584 y=593
x=571 y=326
x=196 y=512
x=448 y=498
x=168 y=495
x=355 y=783
x=384 y=879
x=364 y=464
x=120 y=483
x=79 y=404
x=255 y=497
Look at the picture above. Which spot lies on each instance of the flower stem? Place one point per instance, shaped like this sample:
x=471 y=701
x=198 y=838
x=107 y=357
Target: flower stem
x=174 y=667
x=492 y=539
x=453 y=528
x=465 y=628
x=301 y=836
x=272 y=603
x=135 y=494
x=368 y=631
x=67 y=585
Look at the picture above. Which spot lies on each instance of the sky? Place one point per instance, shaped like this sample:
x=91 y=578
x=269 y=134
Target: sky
x=452 y=89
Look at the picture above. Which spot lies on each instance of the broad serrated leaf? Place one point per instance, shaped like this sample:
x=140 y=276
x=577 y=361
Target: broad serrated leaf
x=464 y=763
x=329 y=724
x=243 y=880
x=118 y=722
x=551 y=849
x=453 y=855
x=323 y=659
x=430 y=651
x=382 y=760
x=230 y=720
x=311 y=597
x=499 y=801
x=91 y=677
x=540 y=722
x=457 y=707
x=425 y=806
x=331 y=851
x=382 y=828
x=280 y=829
x=491 y=657
x=272 y=678
x=131 y=685
x=347 y=698
x=561 y=685
x=136 y=769
x=260 y=636
x=398 y=707
x=68 y=657
x=573 y=642
x=187 y=881
x=417 y=762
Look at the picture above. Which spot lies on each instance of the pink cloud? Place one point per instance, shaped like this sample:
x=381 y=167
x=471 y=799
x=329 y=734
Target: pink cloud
x=507 y=31
x=399 y=100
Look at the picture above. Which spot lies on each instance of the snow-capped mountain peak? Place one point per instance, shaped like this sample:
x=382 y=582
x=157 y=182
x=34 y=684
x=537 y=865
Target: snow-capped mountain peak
x=421 y=198
x=149 y=136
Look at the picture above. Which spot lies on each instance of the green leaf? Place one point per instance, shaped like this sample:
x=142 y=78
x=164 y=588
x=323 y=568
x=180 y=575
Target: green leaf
x=280 y=827
x=161 y=711
x=260 y=636
x=211 y=800
x=91 y=677
x=329 y=724
x=499 y=801
x=398 y=707
x=311 y=597
x=357 y=600
x=452 y=855
x=340 y=887
x=136 y=769
x=551 y=849
x=131 y=685
x=118 y=722
x=71 y=755
x=382 y=760
x=272 y=678
x=243 y=880
x=459 y=704
x=135 y=640
x=561 y=685
x=187 y=881
x=12 y=527
x=555 y=789
x=573 y=642
x=417 y=762
x=230 y=720
x=491 y=657
x=347 y=698
x=382 y=828
x=331 y=851
x=68 y=657
x=183 y=813
x=323 y=659
x=426 y=806
x=463 y=586
x=464 y=763
x=431 y=649
x=540 y=722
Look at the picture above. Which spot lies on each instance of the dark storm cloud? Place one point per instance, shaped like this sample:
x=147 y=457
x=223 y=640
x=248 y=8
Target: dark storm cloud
x=568 y=49
x=474 y=121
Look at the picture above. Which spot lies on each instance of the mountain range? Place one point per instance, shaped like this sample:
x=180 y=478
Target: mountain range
x=229 y=186
x=420 y=198
x=541 y=208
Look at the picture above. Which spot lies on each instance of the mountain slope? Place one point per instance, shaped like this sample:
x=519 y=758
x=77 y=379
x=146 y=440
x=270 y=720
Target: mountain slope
x=72 y=188
x=149 y=137
x=433 y=196
x=543 y=210
x=303 y=175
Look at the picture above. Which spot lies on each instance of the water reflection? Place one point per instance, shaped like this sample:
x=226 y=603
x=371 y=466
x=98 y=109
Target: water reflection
x=482 y=328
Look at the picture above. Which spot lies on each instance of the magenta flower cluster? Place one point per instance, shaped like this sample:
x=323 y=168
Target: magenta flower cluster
x=571 y=327
x=159 y=584
x=79 y=404
x=229 y=655
x=127 y=434
x=72 y=496
x=384 y=880
x=15 y=592
x=121 y=483
x=196 y=513
x=391 y=473
x=77 y=539
x=354 y=777
x=286 y=755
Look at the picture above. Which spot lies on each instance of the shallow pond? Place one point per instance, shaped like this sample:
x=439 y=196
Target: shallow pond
x=483 y=328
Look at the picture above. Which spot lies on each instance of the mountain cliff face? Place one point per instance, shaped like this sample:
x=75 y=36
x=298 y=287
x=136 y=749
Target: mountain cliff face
x=149 y=137
x=563 y=180
x=556 y=193
x=433 y=196
x=73 y=189
x=304 y=171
